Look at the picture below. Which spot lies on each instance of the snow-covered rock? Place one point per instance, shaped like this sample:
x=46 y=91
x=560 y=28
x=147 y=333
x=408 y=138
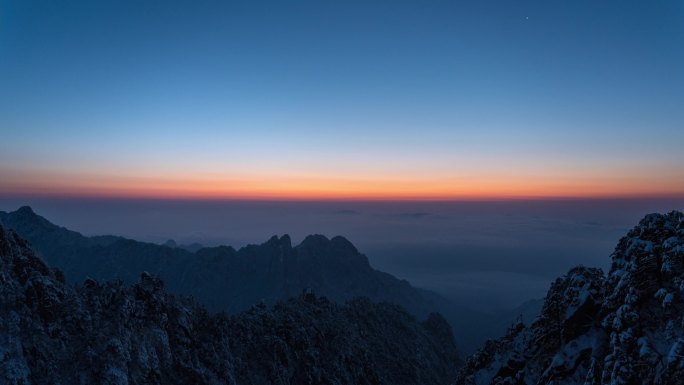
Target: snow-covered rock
x=623 y=328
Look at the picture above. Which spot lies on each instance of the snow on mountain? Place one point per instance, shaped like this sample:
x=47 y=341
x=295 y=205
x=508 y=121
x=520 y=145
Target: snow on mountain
x=623 y=328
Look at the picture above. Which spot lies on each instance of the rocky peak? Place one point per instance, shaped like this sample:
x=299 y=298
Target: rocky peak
x=626 y=328
x=314 y=241
x=283 y=242
x=648 y=259
x=17 y=256
x=25 y=211
x=25 y=214
x=336 y=251
x=341 y=243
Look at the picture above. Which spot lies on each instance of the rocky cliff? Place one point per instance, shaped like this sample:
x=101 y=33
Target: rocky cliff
x=623 y=328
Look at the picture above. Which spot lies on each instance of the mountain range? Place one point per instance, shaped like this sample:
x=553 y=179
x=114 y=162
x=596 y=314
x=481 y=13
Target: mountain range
x=111 y=333
x=225 y=279
x=623 y=327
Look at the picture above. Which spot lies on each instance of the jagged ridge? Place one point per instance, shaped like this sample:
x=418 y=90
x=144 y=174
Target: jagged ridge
x=225 y=279
x=110 y=333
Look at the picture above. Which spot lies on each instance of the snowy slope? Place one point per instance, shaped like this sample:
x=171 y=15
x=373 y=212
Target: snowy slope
x=623 y=328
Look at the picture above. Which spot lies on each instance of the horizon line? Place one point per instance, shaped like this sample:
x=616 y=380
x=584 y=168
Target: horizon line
x=333 y=199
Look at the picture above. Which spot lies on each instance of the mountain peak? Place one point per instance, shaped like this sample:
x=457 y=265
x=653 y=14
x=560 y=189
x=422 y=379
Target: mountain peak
x=337 y=242
x=343 y=243
x=621 y=329
x=283 y=241
x=314 y=240
x=26 y=216
x=25 y=210
x=286 y=241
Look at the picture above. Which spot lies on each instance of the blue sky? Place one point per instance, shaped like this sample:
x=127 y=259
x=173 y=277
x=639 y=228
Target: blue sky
x=331 y=94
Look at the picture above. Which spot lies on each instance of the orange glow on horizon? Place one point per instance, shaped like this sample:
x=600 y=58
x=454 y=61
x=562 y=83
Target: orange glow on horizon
x=331 y=188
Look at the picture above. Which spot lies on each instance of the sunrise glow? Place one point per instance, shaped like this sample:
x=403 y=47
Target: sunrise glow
x=308 y=187
x=296 y=104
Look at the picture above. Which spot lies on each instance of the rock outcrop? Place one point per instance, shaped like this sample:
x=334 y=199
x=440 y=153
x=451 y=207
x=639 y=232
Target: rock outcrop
x=623 y=328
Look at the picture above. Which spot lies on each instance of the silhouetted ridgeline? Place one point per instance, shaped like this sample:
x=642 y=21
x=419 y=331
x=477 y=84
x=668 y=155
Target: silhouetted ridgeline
x=225 y=279
x=623 y=328
x=111 y=333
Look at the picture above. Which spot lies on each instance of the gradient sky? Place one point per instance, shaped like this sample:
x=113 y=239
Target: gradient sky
x=323 y=99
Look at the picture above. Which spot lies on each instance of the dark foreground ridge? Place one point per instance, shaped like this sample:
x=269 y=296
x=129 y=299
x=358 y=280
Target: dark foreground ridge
x=626 y=328
x=225 y=279
x=111 y=333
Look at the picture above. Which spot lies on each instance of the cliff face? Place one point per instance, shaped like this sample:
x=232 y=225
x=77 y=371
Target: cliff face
x=111 y=333
x=623 y=328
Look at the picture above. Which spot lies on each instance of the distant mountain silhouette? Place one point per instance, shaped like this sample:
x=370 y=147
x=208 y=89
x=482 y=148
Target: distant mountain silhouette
x=621 y=328
x=225 y=279
x=111 y=333
x=193 y=247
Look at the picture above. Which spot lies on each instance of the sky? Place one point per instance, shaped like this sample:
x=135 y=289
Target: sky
x=341 y=99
